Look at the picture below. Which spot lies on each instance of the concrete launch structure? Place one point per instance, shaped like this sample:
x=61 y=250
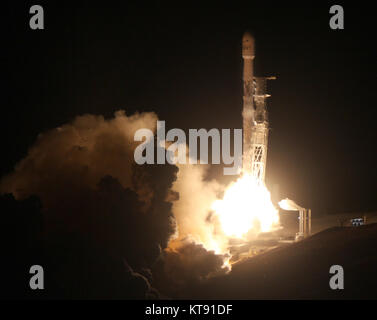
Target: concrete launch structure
x=305 y=224
x=304 y=219
x=255 y=117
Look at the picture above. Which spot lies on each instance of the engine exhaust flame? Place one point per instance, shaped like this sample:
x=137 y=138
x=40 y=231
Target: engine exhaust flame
x=246 y=208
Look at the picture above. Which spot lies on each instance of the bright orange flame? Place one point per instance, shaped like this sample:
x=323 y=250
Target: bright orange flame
x=246 y=207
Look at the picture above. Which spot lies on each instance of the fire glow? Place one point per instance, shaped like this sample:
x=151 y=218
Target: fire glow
x=246 y=207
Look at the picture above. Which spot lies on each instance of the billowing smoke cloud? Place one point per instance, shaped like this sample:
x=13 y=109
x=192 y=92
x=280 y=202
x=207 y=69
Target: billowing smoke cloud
x=106 y=219
x=198 y=251
x=78 y=154
x=192 y=210
x=192 y=261
x=186 y=265
x=100 y=208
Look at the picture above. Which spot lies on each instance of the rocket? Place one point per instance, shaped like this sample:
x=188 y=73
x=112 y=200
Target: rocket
x=248 y=91
x=254 y=113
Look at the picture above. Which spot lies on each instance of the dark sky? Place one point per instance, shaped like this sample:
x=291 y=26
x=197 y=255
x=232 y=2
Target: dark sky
x=184 y=63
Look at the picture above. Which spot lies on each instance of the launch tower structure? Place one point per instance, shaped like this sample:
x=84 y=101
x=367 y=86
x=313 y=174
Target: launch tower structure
x=260 y=128
x=255 y=116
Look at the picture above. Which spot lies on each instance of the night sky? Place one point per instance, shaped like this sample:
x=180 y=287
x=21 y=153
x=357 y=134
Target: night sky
x=184 y=63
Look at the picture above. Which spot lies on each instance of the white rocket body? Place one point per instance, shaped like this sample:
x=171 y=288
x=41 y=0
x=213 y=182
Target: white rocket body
x=255 y=121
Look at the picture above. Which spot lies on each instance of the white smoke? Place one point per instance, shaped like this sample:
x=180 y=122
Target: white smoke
x=288 y=204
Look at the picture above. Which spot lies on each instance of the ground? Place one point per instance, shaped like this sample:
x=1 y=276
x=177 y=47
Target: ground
x=301 y=270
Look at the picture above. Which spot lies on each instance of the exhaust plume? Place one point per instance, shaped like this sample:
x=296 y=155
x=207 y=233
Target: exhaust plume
x=287 y=204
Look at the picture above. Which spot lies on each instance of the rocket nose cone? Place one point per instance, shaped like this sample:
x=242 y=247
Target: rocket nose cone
x=247 y=36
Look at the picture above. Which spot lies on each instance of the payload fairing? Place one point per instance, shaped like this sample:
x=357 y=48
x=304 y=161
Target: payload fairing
x=255 y=118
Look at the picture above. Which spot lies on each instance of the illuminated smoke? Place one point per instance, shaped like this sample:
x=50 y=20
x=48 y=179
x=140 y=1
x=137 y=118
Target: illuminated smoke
x=78 y=154
x=287 y=204
x=192 y=210
x=65 y=168
x=65 y=165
